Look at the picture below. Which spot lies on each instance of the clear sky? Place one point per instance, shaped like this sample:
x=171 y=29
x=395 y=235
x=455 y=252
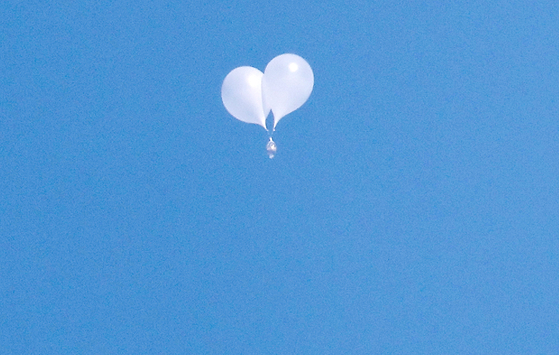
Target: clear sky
x=412 y=207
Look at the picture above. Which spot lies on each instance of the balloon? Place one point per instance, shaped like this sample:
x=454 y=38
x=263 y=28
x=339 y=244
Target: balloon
x=287 y=83
x=241 y=93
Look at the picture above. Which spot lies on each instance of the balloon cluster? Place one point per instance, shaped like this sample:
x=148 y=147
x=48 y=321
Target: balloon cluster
x=249 y=95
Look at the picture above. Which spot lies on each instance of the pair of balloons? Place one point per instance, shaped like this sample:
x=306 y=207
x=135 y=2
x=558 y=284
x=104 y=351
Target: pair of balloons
x=249 y=95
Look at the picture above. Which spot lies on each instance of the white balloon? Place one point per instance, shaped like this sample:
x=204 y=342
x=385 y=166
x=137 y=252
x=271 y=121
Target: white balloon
x=241 y=94
x=287 y=84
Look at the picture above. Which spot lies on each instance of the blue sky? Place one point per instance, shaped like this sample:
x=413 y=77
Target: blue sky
x=412 y=206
